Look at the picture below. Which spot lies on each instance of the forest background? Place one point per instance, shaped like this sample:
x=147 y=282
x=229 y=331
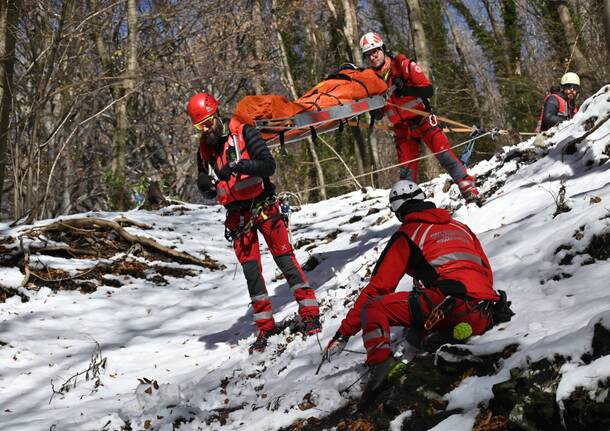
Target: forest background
x=93 y=93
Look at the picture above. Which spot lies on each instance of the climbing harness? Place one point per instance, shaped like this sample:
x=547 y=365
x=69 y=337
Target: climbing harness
x=258 y=215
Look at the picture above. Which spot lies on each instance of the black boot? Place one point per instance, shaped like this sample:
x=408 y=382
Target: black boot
x=261 y=341
x=380 y=375
x=311 y=325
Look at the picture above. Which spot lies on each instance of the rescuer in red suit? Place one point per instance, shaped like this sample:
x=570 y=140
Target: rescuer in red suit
x=235 y=168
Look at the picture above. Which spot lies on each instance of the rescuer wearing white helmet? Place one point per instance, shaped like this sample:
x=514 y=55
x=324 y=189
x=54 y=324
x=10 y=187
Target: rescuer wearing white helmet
x=413 y=90
x=452 y=295
x=560 y=105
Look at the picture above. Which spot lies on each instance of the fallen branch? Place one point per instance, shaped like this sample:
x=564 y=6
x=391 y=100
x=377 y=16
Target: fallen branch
x=26 y=269
x=122 y=220
x=94 y=223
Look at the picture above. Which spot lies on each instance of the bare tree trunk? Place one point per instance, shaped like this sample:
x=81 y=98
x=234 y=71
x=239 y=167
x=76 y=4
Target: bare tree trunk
x=289 y=81
x=8 y=20
x=459 y=43
x=120 y=93
x=374 y=150
x=350 y=34
x=67 y=179
x=428 y=167
x=580 y=62
x=351 y=31
x=419 y=37
x=607 y=23
x=259 y=51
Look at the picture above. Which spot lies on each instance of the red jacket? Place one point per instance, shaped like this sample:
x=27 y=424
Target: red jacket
x=434 y=249
x=241 y=186
x=412 y=76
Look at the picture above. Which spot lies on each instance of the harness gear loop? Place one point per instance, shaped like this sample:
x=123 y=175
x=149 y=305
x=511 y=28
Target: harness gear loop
x=232 y=234
x=257 y=211
x=439 y=312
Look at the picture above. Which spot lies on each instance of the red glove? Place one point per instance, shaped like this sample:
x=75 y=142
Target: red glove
x=335 y=346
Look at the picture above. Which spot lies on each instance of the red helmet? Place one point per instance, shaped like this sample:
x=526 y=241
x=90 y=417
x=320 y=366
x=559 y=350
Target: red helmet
x=201 y=106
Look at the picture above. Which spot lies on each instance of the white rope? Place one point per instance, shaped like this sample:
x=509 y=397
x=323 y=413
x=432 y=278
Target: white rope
x=347 y=180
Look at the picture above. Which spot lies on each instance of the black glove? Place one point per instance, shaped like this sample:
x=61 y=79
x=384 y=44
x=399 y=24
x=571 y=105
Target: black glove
x=243 y=166
x=204 y=183
x=226 y=171
x=400 y=86
x=501 y=311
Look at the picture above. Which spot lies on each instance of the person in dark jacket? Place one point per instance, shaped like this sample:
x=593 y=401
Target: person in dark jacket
x=560 y=105
x=236 y=169
x=453 y=283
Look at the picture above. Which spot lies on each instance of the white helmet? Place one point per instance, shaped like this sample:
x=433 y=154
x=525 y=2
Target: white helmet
x=370 y=41
x=570 y=78
x=403 y=191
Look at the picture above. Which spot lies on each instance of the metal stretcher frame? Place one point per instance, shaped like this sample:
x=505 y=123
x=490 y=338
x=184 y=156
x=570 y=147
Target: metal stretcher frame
x=311 y=123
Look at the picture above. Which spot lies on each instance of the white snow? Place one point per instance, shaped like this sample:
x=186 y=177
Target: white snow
x=187 y=341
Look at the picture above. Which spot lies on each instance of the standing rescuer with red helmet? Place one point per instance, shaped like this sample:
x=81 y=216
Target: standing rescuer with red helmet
x=453 y=285
x=236 y=169
x=413 y=90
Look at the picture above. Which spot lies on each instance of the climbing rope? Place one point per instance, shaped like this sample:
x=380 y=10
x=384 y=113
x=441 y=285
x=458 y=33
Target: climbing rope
x=346 y=181
x=476 y=134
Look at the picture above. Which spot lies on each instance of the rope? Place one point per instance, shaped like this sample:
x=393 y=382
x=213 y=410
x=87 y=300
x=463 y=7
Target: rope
x=463 y=127
x=342 y=161
x=427 y=114
x=340 y=182
x=390 y=128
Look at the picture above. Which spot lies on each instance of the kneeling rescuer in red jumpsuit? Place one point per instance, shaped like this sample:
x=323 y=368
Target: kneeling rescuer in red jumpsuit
x=450 y=271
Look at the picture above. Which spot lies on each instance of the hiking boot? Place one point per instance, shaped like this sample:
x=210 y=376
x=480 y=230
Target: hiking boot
x=261 y=341
x=311 y=325
x=386 y=372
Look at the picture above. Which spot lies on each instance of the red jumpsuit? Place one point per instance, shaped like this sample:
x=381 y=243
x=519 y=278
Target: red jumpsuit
x=411 y=128
x=440 y=253
x=248 y=196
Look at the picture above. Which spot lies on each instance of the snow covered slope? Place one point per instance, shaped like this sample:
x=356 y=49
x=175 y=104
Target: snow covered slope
x=175 y=346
